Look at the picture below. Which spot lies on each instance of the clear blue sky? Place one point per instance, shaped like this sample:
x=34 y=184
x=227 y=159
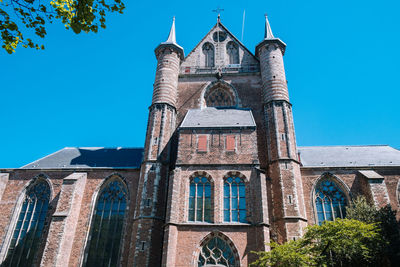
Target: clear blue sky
x=342 y=65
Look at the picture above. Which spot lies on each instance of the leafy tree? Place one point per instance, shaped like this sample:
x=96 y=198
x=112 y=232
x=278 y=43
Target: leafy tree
x=385 y=219
x=289 y=254
x=19 y=16
x=342 y=242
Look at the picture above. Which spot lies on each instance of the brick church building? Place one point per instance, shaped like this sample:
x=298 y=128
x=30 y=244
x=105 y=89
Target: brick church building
x=220 y=174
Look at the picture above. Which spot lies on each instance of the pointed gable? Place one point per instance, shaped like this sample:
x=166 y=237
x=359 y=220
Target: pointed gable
x=219 y=49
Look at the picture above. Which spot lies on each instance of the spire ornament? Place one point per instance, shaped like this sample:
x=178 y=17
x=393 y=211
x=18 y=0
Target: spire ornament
x=268 y=32
x=171 y=42
x=172 y=35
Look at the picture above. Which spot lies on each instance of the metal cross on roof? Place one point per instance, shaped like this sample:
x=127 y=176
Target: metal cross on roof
x=218 y=11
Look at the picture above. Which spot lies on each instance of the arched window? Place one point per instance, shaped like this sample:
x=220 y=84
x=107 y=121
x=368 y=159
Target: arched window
x=234 y=200
x=216 y=252
x=106 y=232
x=200 y=207
x=208 y=50
x=330 y=201
x=233 y=52
x=29 y=228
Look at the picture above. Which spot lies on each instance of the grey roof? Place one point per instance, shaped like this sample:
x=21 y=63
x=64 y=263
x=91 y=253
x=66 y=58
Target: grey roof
x=218 y=118
x=90 y=157
x=349 y=156
x=370 y=174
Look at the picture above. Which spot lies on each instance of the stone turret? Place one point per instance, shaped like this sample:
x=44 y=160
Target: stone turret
x=283 y=164
x=150 y=204
x=270 y=51
x=169 y=55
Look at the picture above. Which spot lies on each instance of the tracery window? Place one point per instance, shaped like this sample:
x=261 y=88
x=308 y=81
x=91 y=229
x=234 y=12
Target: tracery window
x=106 y=232
x=232 y=50
x=330 y=201
x=219 y=97
x=216 y=252
x=29 y=228
x=200 y=200
x=208 y=50
x=234 y=200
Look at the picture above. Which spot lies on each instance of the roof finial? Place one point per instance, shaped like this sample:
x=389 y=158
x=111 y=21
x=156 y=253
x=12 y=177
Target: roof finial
x=172 y=36
x=268 y=31
x=218 y=11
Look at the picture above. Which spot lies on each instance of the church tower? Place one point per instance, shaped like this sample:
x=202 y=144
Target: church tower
x=289 y=215
x=150 y=202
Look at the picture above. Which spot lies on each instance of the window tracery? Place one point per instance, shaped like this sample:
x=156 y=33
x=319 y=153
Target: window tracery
x=232 y=50
x=200 y=206
x=208 y=50
x=106 y=232
x=216 y=252
x=220 y=97
x=330 y=201
x=29 y=228
x=234 y=200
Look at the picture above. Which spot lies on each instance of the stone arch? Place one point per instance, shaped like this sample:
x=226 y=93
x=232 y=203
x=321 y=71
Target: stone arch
x=40 y=178
x=229 y=243
x=219 y=90
x=95 y=197
x=337 y=181
x=237 y=174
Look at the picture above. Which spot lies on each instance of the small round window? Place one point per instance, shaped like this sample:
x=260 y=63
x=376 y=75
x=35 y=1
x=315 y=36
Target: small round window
x=219 y=36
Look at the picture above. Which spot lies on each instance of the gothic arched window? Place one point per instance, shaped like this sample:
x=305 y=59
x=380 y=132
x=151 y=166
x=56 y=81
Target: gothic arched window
x=219 y=97
x=216 y=252
x=330 y=201
x=234 y=200
x=233 y=52
x=106 y=232
x=29 y=228
x=208 y=50
x=200 y=206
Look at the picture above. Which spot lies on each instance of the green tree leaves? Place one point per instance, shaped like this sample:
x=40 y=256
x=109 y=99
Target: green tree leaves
x=79 y=15
x=342 y=242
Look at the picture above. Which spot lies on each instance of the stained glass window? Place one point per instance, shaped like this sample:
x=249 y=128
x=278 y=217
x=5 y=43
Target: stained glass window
x=106 y=232
x=200 y=200
x=219 y=97
x=234 y=200
x=29 y=228
x=233 y=52
x=330 y=201
x=208 y=50
x=216 y=252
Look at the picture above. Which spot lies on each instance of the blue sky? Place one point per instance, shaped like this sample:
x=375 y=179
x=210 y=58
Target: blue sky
x=342 y=66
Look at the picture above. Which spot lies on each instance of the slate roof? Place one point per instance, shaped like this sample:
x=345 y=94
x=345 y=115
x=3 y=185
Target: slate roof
x=90 y=157
x=218 y=118
x=314 y=156
x=349 y=156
